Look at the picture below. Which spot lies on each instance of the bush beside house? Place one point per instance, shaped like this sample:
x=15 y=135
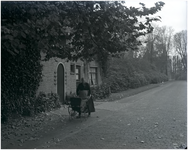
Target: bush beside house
x=126 y=74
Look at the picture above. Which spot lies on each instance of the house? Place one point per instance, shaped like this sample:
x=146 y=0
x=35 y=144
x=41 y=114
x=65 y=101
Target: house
x=62 y=77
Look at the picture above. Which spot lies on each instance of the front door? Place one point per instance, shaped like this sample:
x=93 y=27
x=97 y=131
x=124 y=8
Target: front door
x=60 y=82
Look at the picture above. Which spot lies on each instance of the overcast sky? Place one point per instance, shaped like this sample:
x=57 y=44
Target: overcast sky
x=174 y=12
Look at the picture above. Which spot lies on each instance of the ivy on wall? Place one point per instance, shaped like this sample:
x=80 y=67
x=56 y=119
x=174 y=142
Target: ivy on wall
x=21 y=75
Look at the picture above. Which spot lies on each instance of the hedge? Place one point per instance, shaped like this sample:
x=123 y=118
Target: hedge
x=33 y=105
x=126 y=74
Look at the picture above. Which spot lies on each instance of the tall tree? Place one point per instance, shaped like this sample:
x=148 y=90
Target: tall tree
x=90 y=27
x=180 y=44
x=66 y=29
x=164 y=45
x=159 y=46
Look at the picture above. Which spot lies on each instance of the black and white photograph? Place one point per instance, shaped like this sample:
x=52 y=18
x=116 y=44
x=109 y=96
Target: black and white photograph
x=94 y=74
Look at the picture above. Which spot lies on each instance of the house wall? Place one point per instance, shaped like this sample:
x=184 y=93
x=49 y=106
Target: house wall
x=49 y=75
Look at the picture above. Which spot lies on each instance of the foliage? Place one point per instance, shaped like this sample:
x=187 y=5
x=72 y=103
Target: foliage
x=124 y=74
x=68 y=96
x=159 y=47
x=181 y=75
x=88 y=27
x=21 y=68
x=46 y=102
x=20 y=79
x=180 y=43
x=62 y=29
x=30 y=106
x=75 y=30
x=100 y=92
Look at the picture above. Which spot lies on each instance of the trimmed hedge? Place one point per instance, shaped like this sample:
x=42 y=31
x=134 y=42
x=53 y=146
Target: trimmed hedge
x=126 y=74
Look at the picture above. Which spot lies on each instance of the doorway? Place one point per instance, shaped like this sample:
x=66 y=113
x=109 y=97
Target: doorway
x=60 y=83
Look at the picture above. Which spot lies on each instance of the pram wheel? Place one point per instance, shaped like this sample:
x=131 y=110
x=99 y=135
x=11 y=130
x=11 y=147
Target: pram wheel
x=71 y=112
x=86 y=110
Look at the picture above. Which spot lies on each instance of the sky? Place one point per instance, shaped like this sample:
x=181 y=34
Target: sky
x=173 y=14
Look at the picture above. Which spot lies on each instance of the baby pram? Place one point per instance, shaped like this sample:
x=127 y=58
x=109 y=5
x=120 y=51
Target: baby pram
x=81 y=104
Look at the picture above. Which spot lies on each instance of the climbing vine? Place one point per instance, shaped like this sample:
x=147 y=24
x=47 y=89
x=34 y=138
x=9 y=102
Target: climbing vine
x=21 y=75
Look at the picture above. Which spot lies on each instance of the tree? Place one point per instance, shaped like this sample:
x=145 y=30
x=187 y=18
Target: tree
x=180 y=44
x=180 y=56
x=164 y=45
x=159 y=46
x=90 y=27
x=150 y=47
x=69 y=30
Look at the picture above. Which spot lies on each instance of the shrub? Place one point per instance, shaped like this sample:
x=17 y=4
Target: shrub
x=181 y=76
x=143 y=80
x=134 y=82
x=46 y=102
x=21 y=75
x=101 y=91
x=30 y=106
x=124 y=74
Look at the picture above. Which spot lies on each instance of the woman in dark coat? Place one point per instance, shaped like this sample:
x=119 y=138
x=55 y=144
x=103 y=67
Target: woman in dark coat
x=83 y=86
